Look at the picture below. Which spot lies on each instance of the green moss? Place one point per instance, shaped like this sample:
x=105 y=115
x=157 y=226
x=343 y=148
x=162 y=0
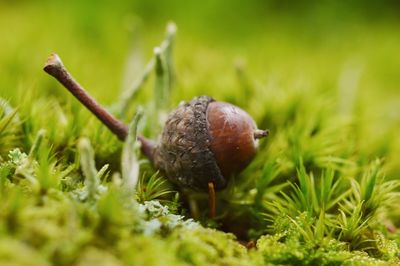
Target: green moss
x=208 y=247
x=322 y=190
x=15 y=253
x=148 y=250
x=289 y=246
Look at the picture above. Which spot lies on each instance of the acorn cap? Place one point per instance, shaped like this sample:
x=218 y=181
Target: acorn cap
x=184 y=153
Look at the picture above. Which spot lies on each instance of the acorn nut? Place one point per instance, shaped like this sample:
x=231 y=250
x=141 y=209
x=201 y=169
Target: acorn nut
x=206 y=141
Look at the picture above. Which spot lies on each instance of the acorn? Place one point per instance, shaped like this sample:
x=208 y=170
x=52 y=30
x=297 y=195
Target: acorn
x=204 y=142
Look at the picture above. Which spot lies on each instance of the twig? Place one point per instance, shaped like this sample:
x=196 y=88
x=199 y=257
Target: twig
x=55 y=68
x=147 y=147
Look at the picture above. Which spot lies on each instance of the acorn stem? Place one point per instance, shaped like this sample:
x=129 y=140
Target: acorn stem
x=211 y=200
x=147 y=147
x=55 y=68
x=258 y=133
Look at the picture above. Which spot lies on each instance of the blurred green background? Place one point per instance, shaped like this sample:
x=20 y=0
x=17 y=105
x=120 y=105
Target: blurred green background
x=323 y=76
x=348 y=50
x=277 y=40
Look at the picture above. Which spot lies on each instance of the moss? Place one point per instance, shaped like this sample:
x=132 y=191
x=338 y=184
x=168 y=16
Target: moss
x=147 y=250
x=16 y=253
x=322 y=190
x=288 y=246
x=93 y=256
x=204 y=246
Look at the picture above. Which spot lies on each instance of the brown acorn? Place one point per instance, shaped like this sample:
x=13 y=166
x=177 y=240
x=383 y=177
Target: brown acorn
x=203 y=142
x=206 y=141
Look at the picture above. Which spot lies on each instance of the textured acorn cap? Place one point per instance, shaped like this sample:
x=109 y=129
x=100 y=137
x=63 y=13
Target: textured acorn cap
x=183 y=152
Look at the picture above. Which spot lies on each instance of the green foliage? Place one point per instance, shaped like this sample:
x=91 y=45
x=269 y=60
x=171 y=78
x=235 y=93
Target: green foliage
x=322 y=190
x=295 y=242
x=207 y=246
x=10 y=128
x=155 y=187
